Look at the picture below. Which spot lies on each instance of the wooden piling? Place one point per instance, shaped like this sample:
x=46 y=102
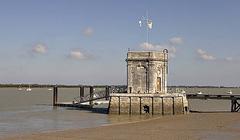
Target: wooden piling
x=91 y=96
x=119 y=105
x=173 y=105
x=53 y=101
x=55 y=95
x=56 y=99
x=107 y=91
x=81 y=94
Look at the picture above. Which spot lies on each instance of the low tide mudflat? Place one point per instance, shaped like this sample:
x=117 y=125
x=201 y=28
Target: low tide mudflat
x=200 y=126
x=30 y=116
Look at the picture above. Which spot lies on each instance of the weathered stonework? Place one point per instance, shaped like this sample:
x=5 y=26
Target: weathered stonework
x=147 y=87
x=168 y=104
x=147 y=72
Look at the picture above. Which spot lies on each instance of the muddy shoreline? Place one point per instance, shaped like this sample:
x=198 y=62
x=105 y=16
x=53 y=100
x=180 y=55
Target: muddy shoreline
x=193 y=126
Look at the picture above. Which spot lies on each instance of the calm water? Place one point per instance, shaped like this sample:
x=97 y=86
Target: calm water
x=26 y=112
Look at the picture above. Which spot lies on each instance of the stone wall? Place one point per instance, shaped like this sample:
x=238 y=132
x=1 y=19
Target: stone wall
x=157 y=104
x=147 y=72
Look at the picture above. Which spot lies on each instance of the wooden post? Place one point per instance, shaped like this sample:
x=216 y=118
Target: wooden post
x=233 y=105
x=119 y=105
x=91 y=96
x=81 y=91
x=55 y=95
x=107 y=91
x=173 y=106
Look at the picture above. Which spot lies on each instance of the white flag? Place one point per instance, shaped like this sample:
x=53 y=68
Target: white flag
x=149 y=24
x=140 y=23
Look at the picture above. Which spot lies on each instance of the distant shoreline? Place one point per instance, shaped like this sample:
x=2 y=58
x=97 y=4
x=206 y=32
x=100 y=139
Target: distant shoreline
x=50 y=85
x=75 y=86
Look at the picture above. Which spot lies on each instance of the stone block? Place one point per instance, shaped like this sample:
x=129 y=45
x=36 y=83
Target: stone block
x=114 y=105
x=157 y=106
x=178 y=105
x=167 y=106
x=135 y=105
x=124 y=105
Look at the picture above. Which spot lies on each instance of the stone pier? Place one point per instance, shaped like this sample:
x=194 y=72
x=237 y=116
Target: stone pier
x=155 y=104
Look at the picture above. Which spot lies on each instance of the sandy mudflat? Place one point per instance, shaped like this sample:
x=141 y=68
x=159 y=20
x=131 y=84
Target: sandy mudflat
x=211 y=126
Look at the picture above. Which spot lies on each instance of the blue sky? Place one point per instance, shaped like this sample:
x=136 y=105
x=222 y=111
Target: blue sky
x=86 y=41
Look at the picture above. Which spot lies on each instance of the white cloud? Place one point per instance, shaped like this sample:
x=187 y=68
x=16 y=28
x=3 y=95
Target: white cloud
x=176 y=41
x=39 y=48
x=88 y=31
x=78 y=55
x=171 y=49
x=147 y=46
x=205 y=56
x=170 y=45
x=229 y=58
x=200 y=51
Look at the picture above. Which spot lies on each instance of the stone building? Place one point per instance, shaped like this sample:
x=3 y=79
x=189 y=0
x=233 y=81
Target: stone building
x=147 y=71
x=147 y=87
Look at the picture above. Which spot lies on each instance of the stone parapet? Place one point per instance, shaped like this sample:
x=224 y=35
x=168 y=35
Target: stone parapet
x=146 y=55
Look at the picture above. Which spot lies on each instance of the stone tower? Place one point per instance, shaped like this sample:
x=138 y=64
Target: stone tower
x=147 y=71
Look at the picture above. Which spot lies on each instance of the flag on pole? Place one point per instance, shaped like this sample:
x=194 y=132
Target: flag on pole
x=149 y=24
x=140 y=23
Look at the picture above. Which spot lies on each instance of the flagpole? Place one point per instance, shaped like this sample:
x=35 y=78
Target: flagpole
x=147 y=27
x=148 y=23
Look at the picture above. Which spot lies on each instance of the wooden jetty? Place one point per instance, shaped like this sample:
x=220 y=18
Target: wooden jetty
x=87 y=101
x=82 y=101
x=234 y=98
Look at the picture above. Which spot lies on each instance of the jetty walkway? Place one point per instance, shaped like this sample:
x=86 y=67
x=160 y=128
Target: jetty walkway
x=234 y=98
x=87 y=101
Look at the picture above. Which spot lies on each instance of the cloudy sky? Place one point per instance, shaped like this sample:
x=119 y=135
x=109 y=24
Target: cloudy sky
x=86 y=41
